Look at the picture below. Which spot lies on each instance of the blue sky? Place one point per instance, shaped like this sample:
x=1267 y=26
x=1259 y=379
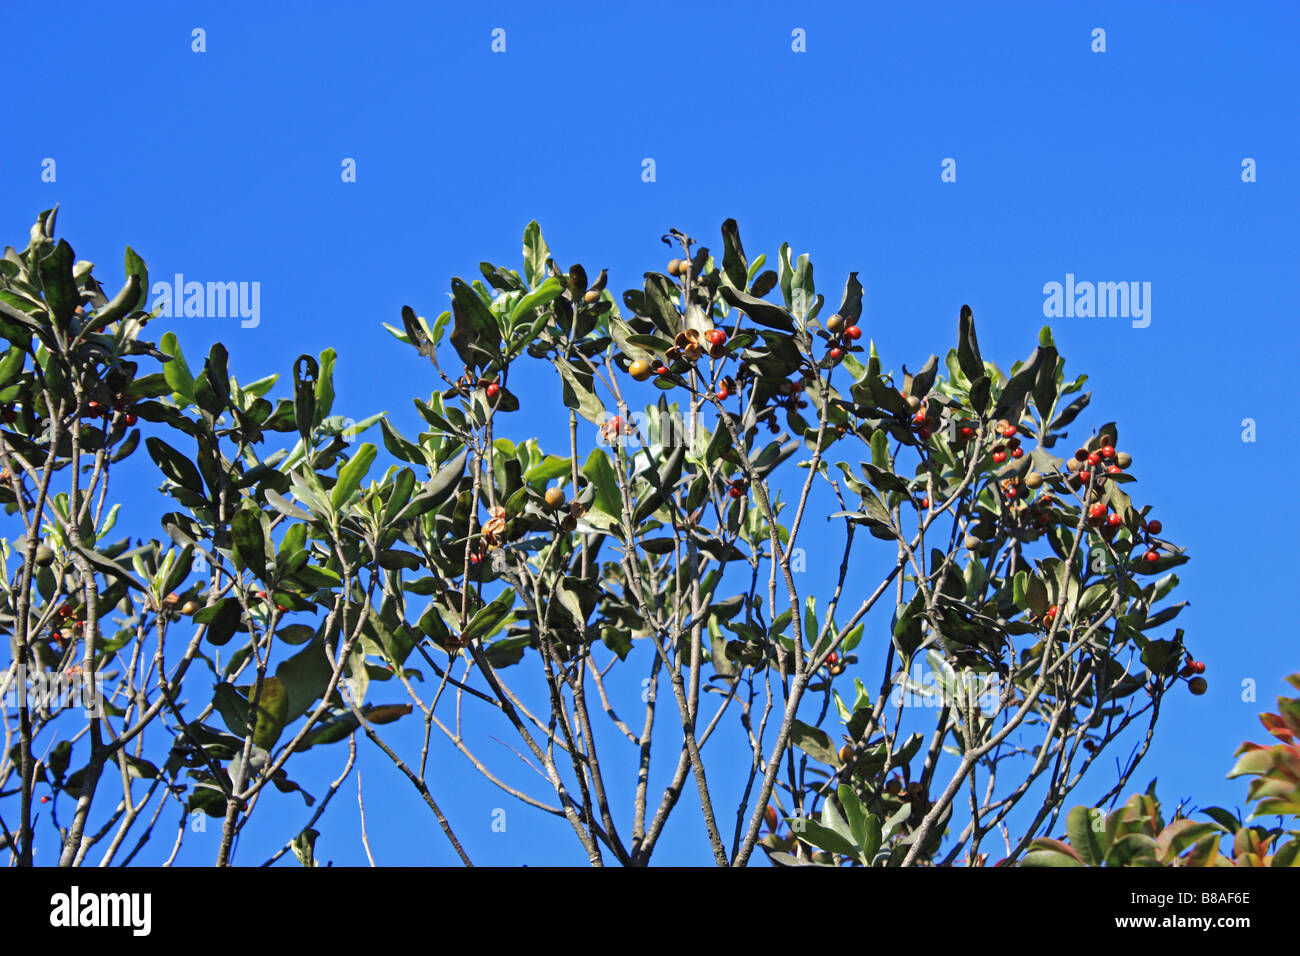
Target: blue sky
x=1117 y=166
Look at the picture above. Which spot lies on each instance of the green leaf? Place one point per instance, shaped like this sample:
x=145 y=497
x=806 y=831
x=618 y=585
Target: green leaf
x=175 y=371
x=487 y=619
x=272 y=708
x=825 y=838
x=351 y=474
x=579 y=394
x=174 y=465
x=968 y=349
x=760 y=311
x=222 y=619
x=735 y=267
x=536 y=253
x=1080 y=825
x=249 y=539
x=815 y=742
x=601 y=474
x=305 y=677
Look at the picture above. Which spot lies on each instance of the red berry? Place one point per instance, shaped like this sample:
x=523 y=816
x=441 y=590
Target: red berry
x=94 y=408
x=1114 y=470
x=923 y=502
x=853 y=333
x=1017 y=453
x=1094 y=459
x=1096 y=510
x=1108 y=451
x=1151 y=557
x=723 y=393
x=834 y=353
x=45 y=799
x=716 y=336
x=735 y=491
x=919 y=418
x=493 y=390
x=1084 y=477
x=1155 y=527
x=662 y=370
x=130 y=419
x=999 y=457
x=1115 y=520
x=923 y=434
x=474 y=558
x=966 y=432
x=833 y=657
x=1200 y=666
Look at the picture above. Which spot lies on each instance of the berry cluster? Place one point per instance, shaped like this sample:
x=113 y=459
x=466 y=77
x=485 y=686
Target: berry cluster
x=739 y=487
x=840 y=336
x=95 y=409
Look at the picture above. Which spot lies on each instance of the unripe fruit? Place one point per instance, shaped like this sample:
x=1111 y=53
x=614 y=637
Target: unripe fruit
x=972 y=542
x=675 y=267
x=493 y=390
x=1155 y=527
x=834 y=323
x=190 y=607
x=770 y=816
x=44 y=555
x=1123 y=459
x=1198 y=685
x=555 y=498
x=1072 y=465
x=1033 y=480
x=593 y=295
x=853 y=333
x=639 y=370
x=846 y=753
x=913 y=402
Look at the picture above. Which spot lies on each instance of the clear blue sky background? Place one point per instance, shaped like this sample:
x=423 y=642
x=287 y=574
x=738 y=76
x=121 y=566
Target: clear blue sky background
x=1123 y=165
